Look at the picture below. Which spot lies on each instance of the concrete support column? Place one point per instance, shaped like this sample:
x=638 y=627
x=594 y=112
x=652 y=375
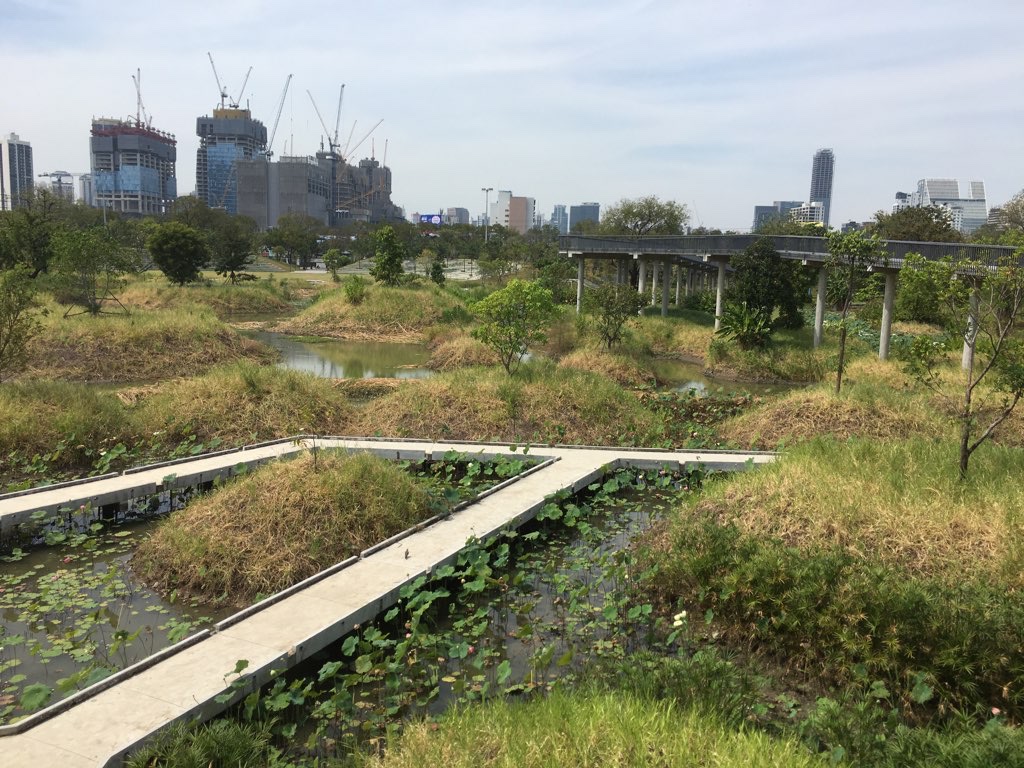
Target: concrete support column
x=967 y=359
x=654 y=282
x=679 y=281
x=888 y=302
x=667 y=269
x=689 y=281
x=581 y=266
x=819 y=308
x=719 y=294
x=643 y=276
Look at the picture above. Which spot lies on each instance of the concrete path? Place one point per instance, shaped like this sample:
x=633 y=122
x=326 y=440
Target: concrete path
x=103 y=727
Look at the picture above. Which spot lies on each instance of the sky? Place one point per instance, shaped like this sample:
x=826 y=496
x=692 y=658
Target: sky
x=717 y=104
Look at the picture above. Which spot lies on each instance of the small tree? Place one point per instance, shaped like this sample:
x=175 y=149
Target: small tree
x=179 y=251
x=512 y=319
x=89 y=266
x=612 y=307
x=388 y=258
x=231 y=246
x=850 y=255
x=764 y=281
x=17 y=319
x=985 y=309
x=645 y=216
x=334 y=260
x=437 y=269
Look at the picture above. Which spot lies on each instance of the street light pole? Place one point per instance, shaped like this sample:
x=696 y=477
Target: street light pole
x=487 y=214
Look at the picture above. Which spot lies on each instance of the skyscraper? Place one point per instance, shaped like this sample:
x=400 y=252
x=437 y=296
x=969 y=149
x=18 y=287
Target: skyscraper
x=583 y=212
x=133 y=167
x=560 y=219
x=16 y=175
x=965 y=213
x=229 y=136
x=821 y=181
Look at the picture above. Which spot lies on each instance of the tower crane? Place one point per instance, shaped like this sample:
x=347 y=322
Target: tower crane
x=277 y=118
x=141 y=118
x=332 y=139
x=220 y=88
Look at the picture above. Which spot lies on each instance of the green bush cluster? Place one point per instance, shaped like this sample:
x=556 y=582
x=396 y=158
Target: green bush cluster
x=844 y=616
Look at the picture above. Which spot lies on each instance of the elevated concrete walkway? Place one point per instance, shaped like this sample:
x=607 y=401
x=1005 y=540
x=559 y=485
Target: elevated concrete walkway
x=99 y=725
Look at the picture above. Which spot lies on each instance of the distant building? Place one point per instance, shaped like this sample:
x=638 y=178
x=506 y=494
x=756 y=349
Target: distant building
x=779 y=209
x=17 y=178
x=456 y=216
x=62 y=186
x=560 y=219
x=85 y=190
x=522 y=214
x=809 y=213
x=966 y=214
x=132 y=167
x=822 y=168
x=584 y=212
x=996 y=216
x=230 y=136
x=498 y=214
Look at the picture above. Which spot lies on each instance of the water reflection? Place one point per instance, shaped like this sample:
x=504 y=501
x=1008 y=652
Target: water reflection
x=350 y=359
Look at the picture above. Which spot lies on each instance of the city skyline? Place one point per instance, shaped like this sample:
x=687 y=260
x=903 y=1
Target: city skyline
x=528 y=99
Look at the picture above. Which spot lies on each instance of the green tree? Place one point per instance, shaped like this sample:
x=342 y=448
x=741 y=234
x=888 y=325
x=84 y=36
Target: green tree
x=18 y=322
x=923 y=283
x=984 y=313
x=296 y=236
x=612 y=306
x=231 y=245
x=764 y=281
x=179 y=251
x=25 y=232
x=88 y=266
x=645 y=216
x=437 y=269
x=850 y=254
x=512 y=319
x=334 y=260
x=388 y=257
x=927 y=224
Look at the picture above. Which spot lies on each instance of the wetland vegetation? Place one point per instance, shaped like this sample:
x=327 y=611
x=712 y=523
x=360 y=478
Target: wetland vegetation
x=856 y=603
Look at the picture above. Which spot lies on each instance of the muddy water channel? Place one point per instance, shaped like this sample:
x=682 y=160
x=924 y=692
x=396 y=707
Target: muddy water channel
x=349 y=359
x=521 y=613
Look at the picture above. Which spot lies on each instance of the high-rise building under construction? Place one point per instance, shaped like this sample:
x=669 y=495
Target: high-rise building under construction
x=133 y=167
x=230 y=136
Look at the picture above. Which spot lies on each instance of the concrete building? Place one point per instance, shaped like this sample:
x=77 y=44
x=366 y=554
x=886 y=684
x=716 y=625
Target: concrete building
x=809 y=213
x=85 y=190
x=522 y=214
x=17 y=178
x=822 y=169
x=583 y=212
x=779 y=209
x=132 y=167
x=499 y=208
x=62 y=186
x=560 y=219
x=230 y=136
x=456 y=216
x=363 y=193
x=267 y=190
x=966 y=213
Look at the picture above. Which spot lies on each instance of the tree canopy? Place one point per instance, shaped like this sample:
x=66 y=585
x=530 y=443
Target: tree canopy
x=179 y=251
x=645 y=216
x=926 y=224
x=388 y=257
x=512 y=319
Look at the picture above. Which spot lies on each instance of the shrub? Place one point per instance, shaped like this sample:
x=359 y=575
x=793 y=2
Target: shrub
x=355 y=289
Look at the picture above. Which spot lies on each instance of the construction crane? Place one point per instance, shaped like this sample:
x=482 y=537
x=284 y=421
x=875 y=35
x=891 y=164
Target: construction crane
x=141 y=118
x=332 y=139
x=58 y=177
x=220 y=88
x=224 y=95
x=277 y=118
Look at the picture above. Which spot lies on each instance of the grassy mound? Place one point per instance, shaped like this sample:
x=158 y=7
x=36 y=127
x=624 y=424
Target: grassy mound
x=687 y=338
x=586 y=729
x=144 y=346
x=245 y=402
x=619 y=368
x=865 y=560
x=461 y=351
x=254 y=297
x=71 y=422
x=285 y=522
x=541 y=404
x=385 y=314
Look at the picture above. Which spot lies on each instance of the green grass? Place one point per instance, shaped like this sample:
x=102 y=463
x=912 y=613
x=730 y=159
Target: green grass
x=587 y=729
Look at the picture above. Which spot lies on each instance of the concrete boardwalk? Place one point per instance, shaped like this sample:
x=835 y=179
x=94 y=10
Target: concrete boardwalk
x=101 y=728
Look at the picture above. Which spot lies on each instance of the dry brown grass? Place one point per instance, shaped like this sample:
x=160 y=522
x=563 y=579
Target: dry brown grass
x=674 y=337
x=547 y=404
x=619 y=368
x=285 y=522
x=145 y=346
x=224 y=300
x=899 y=502
x=245 y=403
x=386 y=314
x=462 y=351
